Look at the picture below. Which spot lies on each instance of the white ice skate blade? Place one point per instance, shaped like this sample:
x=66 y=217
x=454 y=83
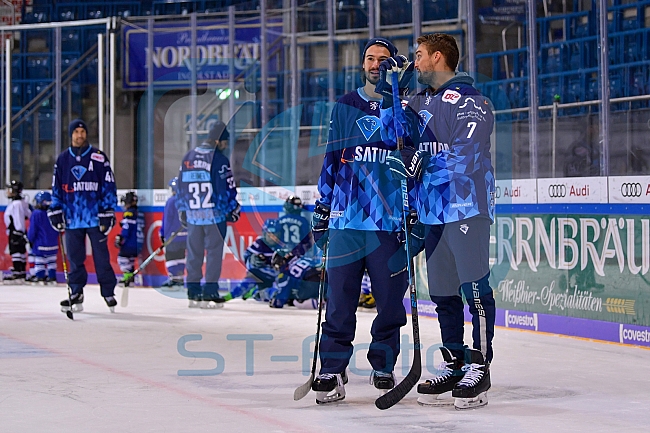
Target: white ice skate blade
x=194 y=304
x=76 y=308
x=112 y=309
x=436 y=400
x=471 y=403
x=210 y=305
x=337 y=394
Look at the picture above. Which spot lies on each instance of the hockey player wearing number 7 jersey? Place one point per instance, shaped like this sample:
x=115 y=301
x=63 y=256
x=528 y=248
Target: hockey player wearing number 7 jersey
x=454 y=195
x=207 y=200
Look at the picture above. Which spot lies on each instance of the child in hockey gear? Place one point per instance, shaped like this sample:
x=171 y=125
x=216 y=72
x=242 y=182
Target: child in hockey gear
x=434 y=390
x=298 y=281
x=329 y=387
x=471 y=391
x=131 y=238
x=43 y=239
x=294 y=231
x=366 y=300
x=83 y=202
x=260 y=273
x=207 y=201
x=175 y=250
x=16 y=213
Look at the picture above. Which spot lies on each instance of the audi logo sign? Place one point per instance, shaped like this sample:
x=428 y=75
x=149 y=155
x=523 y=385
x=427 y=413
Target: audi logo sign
x=557 y=190
x=631 y=189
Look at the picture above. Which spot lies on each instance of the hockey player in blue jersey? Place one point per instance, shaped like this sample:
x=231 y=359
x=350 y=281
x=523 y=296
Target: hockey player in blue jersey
x=452 y=122
x=297 y=282
x=131 y=237
x=83 y=202
x=260 y=272
x=359 y=214
x=175 y=250
x=294 y=229
x=207 y=200
x=16 y=214
x=43 y=239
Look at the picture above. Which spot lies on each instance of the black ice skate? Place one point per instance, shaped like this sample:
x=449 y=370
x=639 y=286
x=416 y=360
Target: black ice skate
x=15 y=278
x=471 y=391
x=111 y=302
x=329 y=387
x=77 y=303
x=212 y=302
x=382 y=381
x=435 y=391
x=172 y=284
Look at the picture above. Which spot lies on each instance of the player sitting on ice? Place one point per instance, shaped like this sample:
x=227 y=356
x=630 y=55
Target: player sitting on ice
x=43 y=239
x=298 y=281
x=260 y=274
x=131 y=238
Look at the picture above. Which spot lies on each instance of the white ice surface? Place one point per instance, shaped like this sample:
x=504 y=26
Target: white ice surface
x=118 y=372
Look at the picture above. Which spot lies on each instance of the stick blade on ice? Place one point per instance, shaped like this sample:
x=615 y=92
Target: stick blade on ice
x=395 y=395
x=303 y=389
x=124 y=301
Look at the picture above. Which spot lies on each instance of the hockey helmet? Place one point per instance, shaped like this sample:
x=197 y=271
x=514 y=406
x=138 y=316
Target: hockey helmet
x=173 y=185
x=129 y=199
x=15 y=188
x=293 y=205
x=43 y=199
x=269 y=231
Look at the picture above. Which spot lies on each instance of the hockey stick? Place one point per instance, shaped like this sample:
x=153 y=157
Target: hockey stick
x=396 y=394
x=304 y=389
x=65 y=275
x=124 y=301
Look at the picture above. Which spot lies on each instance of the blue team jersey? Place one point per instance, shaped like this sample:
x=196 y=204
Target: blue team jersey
x=171 y=223
x=42 y=237
x=206 y=187
x=132 y=232
x=83 y=185
x=355 y=182
x=454 y=125
x=295 y=233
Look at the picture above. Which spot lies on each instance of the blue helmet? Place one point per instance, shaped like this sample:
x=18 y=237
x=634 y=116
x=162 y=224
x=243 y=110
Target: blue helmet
x=293 y=205
x=43 y=199
x=173 y=185
x=270 y=230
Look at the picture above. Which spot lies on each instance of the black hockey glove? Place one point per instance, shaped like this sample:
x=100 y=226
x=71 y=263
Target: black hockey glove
x=57 y=219
x=233 y=215
x=394 y=68
x=257 y=261
x=182 y=218
x=106 y=220
x=162 y=238
x=406 y=162
x=119 y=241
x=320 y=225
x=416 y=233
x=280 y=259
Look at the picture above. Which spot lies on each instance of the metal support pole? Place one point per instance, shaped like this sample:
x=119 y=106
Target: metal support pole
x=100 y=89
x=8 y=111
x=604 y=90
x=532 y=86
x=231 y=80
x=471 y=38
x=331 y=64
x=111 y=92
x=294 y=53
x=194 y=91
x=416 y=10
x=57 y=91
x=372 y=22
x=264 y=60
x=553 y=136
x=148 y=175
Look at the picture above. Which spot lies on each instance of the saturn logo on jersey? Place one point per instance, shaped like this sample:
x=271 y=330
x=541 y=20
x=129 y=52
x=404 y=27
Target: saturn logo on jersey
x=368 y=126
x=424 y=116
x=370 y=154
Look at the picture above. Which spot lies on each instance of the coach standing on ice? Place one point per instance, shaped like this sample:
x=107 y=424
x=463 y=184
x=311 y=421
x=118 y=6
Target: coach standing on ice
x=454 y=189
x=360 y=210
x=83 y=199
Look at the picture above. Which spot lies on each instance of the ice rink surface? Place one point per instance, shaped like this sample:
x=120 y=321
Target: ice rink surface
x=144 y=369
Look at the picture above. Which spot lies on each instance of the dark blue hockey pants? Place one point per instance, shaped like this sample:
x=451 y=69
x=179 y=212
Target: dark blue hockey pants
x=75 y=241
x=350 y=252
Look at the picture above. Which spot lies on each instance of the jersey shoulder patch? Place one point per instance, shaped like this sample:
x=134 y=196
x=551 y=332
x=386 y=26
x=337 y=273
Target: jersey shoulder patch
x=97 y=157
x=451 y=96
